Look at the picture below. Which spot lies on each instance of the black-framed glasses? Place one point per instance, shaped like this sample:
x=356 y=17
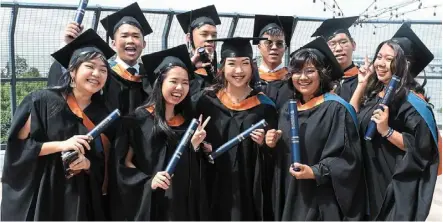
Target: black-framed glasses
x=333 y=44
x=308 y=72
x=269 y=43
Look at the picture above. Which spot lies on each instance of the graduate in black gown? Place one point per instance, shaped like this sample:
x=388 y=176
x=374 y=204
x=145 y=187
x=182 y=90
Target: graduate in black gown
x=235 y=180
x=201 y=25
x=272 y=72
x=330 y=184
x=148 y=140
x=54 y=120
x=127 y=89
x=401 y=160
x=335 y=32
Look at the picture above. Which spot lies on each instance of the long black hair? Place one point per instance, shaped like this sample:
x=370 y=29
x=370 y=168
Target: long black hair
x=298 y=61
x=220 y=79
x=399 y=67
x=64 y=84
x=161 y=127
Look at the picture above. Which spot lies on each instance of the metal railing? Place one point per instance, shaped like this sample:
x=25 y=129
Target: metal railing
x=31 y=32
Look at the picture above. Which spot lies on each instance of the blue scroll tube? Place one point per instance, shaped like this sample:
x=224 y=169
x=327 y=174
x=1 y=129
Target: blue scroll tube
x=390 y=91
x=170 y=168
x=81 y=11
x=236 y=140
x=295 y=140
x=70 y=156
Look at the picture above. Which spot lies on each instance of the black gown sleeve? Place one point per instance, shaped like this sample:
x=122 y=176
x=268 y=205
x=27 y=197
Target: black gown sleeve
x=409 y=195
x=341 y=163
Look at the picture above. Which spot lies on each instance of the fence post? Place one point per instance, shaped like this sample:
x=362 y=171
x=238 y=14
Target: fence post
x=166 y=30
x=96 y=18
x=233 y=26
x=13 y=97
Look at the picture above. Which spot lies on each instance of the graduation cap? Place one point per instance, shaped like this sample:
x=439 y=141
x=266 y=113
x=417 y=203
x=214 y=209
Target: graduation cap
x=331 y=27
x=236 y=47
x=263 y=23
x=132 y=15
x=88 y=41
x=156 y=62
x=413 y=48
x=198 y=17
x=321 y=48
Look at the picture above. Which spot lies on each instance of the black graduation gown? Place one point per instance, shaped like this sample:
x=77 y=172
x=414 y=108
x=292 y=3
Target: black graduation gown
x=123 y=93
x=34 y=187
x=184 y=200
x=272 y=82
x=329 y=143
x=400 y=183
x=200 y=81
x=348 y=83
x=55 y=74
x=235 y=182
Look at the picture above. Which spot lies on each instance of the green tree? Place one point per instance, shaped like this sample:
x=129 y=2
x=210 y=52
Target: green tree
x=21 y=66
x=22 y=89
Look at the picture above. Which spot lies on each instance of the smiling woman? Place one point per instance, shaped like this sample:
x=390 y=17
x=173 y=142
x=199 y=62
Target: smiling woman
x=329 y=184
x=51 y=121
x=238 y=184
x=147 y=142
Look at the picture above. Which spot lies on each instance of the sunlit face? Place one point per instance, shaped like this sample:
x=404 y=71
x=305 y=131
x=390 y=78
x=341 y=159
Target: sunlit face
x=90 y=77
x=307 y=80
x=202 y=34
x=175 y=86
x=342 y=47
x=273 y=49
x=128 y=43
x=238 y=71
x=382 y=63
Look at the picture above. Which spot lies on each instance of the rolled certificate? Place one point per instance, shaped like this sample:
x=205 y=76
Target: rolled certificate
x=81 y=11
x=170 y=168
x=295 y=140
x=69 y=156
x=236 y=140
x=389 y=93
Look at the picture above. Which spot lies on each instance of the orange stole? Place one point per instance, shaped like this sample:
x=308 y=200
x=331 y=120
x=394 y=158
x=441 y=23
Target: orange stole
x=246 y=104
x=73 y=105
x=273 y=76
x=201 y=71
x=311 y=103
x=351 y=72
x=175 y=121
x=122 y=72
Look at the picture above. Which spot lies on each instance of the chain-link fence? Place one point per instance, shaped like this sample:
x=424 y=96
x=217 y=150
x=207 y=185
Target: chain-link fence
x=31 y=32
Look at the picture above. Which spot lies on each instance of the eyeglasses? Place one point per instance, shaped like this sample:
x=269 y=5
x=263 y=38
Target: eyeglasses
x=333 y=44
x=279 y=43
x=308 y=72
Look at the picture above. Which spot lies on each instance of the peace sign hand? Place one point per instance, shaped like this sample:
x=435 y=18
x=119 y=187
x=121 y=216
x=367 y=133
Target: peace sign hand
x=365 y=72
x=200 y=133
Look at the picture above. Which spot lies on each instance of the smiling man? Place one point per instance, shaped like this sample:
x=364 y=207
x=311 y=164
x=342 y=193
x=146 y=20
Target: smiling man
x=127 y=28
x=278 y=31
x=335 y=32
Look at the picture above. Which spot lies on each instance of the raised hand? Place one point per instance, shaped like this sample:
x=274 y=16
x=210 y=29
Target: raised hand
x=365 y=71
x=200 y=133
x=72 y=31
